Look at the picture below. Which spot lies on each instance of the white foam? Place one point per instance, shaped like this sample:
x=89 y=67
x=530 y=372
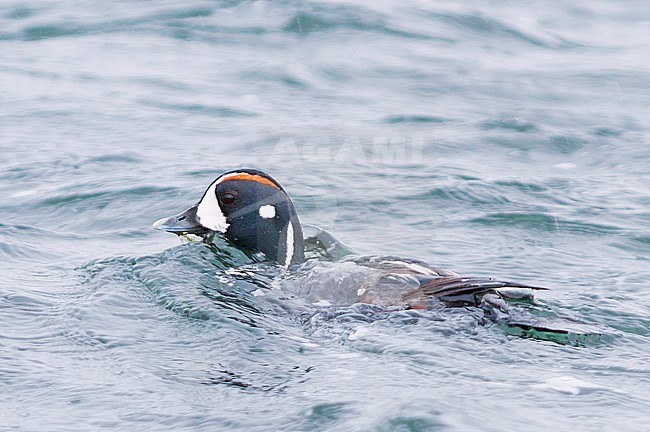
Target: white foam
x=322 y=303
x=24 y=193
x=360 y=332
x=571 y=385
x=565 y=165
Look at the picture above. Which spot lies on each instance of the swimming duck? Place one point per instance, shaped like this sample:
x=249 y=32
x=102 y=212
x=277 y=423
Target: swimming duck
x=253 y=211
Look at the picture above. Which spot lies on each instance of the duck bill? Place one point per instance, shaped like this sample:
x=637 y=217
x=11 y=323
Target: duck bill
x=182 y=223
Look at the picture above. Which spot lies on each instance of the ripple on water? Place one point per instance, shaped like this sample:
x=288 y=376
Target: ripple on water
x=101 y=198
x=493 y=27
x=414 y=118
x=524 y=114
x=200 y=109
x=545 y=222
x=514 y=124
x=320 y=18
x=54 y=29
x=195 y=308
x=20 y=12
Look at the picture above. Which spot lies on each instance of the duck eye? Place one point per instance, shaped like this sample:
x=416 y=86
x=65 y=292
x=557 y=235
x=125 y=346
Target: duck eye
x=228 y=198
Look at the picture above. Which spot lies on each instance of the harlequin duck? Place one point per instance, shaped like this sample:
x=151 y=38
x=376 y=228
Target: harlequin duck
x=253 y=211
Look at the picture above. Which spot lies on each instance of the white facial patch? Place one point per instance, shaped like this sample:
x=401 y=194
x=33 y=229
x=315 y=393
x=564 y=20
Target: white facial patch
x=209 y=213
x=267 y=211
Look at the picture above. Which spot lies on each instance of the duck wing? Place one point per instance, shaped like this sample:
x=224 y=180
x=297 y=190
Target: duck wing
x=434 y=282
x=456 y=289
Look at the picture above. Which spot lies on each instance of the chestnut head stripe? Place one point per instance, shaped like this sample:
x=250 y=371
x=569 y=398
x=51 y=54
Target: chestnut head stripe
x=247 y=177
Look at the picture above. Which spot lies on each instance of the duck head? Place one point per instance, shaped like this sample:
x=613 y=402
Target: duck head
x=250 y=209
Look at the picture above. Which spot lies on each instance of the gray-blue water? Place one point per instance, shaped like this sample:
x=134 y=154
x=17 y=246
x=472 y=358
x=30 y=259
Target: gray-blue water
x=502 y=138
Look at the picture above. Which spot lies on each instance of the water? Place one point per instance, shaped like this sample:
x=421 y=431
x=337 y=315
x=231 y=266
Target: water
x=492 y=138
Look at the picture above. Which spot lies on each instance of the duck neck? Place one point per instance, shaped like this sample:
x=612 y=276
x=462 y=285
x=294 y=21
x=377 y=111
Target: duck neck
x=279 y=239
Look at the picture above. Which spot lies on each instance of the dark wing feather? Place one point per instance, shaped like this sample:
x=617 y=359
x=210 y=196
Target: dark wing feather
x=463 y=289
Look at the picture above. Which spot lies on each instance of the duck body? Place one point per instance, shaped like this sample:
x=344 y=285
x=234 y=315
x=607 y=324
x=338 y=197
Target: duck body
x=252 y=210
x=396 y=282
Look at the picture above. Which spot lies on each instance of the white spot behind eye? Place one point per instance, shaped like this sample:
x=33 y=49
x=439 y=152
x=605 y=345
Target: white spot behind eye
x=267 y=211
x=209 y=213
